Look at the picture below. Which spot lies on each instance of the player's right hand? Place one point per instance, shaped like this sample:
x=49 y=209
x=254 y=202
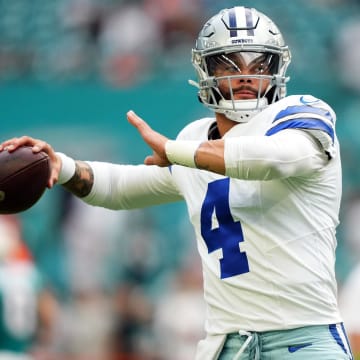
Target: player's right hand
x=37 y=146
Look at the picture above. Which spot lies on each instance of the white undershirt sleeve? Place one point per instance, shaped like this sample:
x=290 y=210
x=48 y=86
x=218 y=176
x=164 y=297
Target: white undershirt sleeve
x=128 y=186
x=285 y=154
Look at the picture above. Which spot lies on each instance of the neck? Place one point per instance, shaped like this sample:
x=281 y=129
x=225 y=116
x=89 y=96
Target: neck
x=224 y=124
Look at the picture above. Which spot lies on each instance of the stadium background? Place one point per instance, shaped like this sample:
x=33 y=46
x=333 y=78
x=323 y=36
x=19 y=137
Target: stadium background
x=69 y=72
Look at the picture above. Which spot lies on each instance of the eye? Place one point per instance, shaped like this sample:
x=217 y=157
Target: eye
x=264 y=65
x=232 y=69
x=261 y=68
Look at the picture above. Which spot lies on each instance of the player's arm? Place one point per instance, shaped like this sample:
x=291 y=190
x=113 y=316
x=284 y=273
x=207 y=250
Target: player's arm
x=112 y=186
x=284 y=154
x=76 y=176
x=117 y=186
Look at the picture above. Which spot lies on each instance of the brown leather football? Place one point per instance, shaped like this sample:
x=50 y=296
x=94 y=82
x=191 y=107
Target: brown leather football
x=23 y=179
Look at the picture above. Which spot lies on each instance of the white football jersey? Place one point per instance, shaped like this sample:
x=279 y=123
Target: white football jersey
x=267 y=247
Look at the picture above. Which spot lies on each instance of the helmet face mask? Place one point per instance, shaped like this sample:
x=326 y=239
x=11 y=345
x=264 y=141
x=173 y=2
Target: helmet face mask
x=256 y=63
x=240 y=45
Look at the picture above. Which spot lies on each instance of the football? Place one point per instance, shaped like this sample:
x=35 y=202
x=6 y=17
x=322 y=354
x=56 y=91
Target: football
x=23 y=179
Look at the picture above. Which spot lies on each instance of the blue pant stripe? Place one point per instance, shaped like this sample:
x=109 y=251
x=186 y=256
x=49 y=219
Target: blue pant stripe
x=334 y=332
x=347 y=339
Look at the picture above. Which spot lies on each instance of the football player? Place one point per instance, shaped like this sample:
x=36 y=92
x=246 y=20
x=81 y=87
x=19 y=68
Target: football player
x=262 y=184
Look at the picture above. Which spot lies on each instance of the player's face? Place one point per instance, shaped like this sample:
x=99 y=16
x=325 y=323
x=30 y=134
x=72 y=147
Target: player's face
x=242 y=63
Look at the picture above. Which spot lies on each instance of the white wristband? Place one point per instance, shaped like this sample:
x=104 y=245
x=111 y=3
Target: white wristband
x=182 y=152
x=67 y=168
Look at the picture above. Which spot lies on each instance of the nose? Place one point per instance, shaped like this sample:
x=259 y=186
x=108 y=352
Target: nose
x=246 y=80
x=244 y=72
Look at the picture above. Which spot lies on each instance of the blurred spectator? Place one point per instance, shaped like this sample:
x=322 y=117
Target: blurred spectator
x=27 y=308
x=86 y=316
x=131 y=337
x=179 y=20
x=83 y=328
x=347 y=48
x=122 y=41
x=130 y=40
x=349 y=294
x=81 y=23
x=350 y=222
x=179 y=315
x=91 y=235
x=346 y=57
x=144 y=262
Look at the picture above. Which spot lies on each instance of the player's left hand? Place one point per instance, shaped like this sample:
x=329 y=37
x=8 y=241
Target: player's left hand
x=154 y=139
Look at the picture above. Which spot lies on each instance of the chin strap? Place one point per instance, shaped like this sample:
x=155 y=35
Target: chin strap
x=242 y=110
x=240 y=116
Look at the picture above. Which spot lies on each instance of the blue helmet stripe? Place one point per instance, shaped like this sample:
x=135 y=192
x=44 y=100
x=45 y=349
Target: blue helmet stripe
x=305 y=123
x=292 y=110
x=233 y=23
x=249 y=22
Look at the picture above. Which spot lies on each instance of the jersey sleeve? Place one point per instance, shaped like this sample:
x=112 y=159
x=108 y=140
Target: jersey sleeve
x=311 y=115
x=283 y=155
x=131 y=186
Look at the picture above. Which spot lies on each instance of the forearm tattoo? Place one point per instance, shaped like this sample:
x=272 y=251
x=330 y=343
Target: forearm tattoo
x=82 y=181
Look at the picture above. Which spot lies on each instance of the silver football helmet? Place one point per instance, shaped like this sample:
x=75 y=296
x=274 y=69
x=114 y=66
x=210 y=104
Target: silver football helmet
x=246 y=36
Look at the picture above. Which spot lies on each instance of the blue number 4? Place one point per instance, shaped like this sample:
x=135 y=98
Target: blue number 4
x=227 y=234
